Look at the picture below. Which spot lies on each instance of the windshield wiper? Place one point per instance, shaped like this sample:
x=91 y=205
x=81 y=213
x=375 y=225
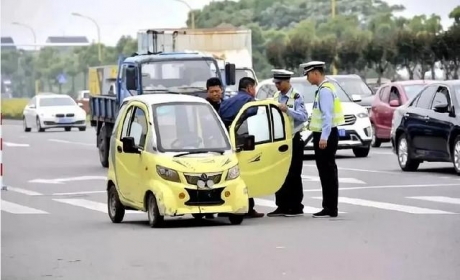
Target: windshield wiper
x=198 y=152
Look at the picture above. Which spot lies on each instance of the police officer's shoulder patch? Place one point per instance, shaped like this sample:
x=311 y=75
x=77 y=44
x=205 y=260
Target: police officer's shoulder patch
x=296 y=96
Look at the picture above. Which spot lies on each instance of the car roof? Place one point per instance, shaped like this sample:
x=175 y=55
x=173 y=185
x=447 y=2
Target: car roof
x=162 y=98
x=51 y=95
x=412 y=82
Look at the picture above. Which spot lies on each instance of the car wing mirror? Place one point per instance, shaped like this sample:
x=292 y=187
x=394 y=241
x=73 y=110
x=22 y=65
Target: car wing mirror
x=441 y=108
x=356 y=98
x=129 y=145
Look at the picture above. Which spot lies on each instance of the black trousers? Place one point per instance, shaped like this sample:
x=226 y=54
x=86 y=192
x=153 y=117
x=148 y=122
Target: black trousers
x=290 y=196
x=327 y=169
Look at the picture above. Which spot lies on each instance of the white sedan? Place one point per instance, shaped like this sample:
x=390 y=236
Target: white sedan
x=53 y=111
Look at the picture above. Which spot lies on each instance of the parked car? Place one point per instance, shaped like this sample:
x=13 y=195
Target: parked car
x=387 y=99
x=357 y=127
x=53 y=111
x=428 y=127
x=354 y=85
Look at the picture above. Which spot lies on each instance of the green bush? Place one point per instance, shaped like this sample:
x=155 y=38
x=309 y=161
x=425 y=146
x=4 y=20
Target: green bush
x=12 y=108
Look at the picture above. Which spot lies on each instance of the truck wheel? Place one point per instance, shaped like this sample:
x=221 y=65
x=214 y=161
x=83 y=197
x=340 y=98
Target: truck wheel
x=361 y=151
x=155 y=218
x=236 y=219
x=115 y=209
x=104 y=151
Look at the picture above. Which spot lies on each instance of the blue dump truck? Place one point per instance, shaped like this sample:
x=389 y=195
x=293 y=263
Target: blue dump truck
x=151 y=73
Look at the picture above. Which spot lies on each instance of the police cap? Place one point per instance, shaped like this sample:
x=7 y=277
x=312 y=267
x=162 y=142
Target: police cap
x=281 y=75
x=309 y=66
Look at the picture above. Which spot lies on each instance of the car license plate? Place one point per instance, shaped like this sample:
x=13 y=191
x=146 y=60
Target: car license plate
x=342 y=132
x=65 y=120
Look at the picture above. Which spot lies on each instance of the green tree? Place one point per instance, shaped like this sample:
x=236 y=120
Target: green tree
x=455 y=15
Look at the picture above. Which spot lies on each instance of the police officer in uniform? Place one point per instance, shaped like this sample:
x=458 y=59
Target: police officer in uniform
x=289 y=197
x=326 y=116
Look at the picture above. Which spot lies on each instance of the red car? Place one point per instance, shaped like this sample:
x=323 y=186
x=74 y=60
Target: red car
x=388 y=97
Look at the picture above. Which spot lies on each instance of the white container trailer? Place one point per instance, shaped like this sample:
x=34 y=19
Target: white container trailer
x=231 y=45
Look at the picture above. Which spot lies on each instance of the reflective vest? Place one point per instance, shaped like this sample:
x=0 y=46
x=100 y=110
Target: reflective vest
x=316 y=121
x=290 y=104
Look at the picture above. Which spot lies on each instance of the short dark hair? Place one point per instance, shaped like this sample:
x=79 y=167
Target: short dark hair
x=246 y=82
x=212 y=82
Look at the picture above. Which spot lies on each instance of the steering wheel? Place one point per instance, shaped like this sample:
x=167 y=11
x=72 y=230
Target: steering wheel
x=193 y=141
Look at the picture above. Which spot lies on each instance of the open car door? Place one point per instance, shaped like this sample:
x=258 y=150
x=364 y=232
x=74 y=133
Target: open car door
x=265 y=168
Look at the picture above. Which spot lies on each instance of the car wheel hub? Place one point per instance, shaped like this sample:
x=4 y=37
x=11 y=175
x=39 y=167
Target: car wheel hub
x=113 y=204
x=457 y=155
x=151 y=209
x=402 y=151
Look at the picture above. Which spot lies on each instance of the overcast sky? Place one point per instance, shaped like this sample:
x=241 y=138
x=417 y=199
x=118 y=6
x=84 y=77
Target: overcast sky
x=117 y=17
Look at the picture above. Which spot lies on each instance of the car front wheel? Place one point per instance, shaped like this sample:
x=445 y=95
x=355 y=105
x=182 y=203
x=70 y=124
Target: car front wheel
x=456 y=155
x=404 y=160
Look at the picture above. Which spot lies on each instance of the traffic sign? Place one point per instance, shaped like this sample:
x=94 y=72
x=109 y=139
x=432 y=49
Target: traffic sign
x=62 y=79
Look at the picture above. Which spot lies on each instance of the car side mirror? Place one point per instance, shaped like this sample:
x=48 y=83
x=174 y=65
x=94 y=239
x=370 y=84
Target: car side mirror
x=80 y=104
x=129 y=146
x=230 y=74
x=356 y=98
x=131 y=78
x=394 y=103
x=441 y=108
x=32 y=107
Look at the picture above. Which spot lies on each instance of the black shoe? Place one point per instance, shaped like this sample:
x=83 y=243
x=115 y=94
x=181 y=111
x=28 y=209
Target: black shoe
x=254 y=214
x=325 y=214
x=277 y=213
x=294 y=213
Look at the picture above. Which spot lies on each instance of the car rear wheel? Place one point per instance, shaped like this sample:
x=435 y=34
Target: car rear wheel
x=404 y=160
x=24 y=124
x=116 y=210
x=376 y=142
x=456 y=155
x=155 y=218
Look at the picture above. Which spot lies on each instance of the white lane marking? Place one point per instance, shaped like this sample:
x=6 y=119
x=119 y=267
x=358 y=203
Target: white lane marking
x=382 y=153
x=443 y=199
x=14 y=208
x=388 y=187
x=91 y=205
x=9 y=144
x=360 y=170
x=77 y=193
x=272 y=204
x=71 y=142
x=62 y=180
x=23 y=191
x=341 y=180
x=389 y=206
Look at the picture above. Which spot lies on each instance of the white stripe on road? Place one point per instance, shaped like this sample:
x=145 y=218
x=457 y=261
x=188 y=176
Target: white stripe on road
x=442 y=199
x=360 y=170
x=23 y=191
x=71 y=142
x=272 y=204
x=78 y=193
x=91 y=205
x=389 y=206
x=341 y=180
x=9 y=144
x=389 y=187
x=14 y=208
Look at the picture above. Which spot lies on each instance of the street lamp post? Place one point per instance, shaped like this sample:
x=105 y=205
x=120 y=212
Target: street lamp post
x=98 y=33
x=191 y=11
x=333 y=5
x=35 y=48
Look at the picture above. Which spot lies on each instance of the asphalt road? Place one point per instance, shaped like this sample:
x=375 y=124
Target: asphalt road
x=394 y=225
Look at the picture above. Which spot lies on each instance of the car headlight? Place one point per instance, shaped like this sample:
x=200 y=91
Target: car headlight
x=363 y=115
x=233 y=173
x=168 y=174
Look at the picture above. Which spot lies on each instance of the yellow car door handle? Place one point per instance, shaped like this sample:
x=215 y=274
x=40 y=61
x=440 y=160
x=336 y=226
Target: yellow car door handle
x=283 y=148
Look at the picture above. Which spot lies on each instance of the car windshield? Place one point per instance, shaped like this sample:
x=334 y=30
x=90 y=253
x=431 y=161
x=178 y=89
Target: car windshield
x=177 y=74
x=457 y=91
x=189 y=127
x=239 y=74
x=56 y=101
x=308 y=91
x=354 y=85
x=413 y=90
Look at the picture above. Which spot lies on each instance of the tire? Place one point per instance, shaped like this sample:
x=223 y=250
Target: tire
x=39 y=126
x=82 y=128
x=404 y=160
x=361 y=151
x=154 y=216
x=456 y=155
x=376 y=142
x=67 y=128
x=24 y=123
x=236 y=219
x=115 y=209
x=104 y=151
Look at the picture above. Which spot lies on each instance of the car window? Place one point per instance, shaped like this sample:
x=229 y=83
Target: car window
x=139 y=127
x=426 y=96
x=126 y=121
x=56 y=101
x=413 y=90
x=440 y=97
x=308 y=90
x=384 y=94
x=32 y=102
x=266 y=91
x=278 y=124
x=257 y=125
x=394 y=94
x=354 y=85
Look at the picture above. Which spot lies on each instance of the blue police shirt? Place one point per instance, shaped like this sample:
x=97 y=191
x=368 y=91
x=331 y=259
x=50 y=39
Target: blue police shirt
x=298 y=112
x=230 y=107
x=326 y=106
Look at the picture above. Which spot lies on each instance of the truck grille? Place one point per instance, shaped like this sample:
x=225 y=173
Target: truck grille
x=192 y=179
x=350 y=119
x=204 y=197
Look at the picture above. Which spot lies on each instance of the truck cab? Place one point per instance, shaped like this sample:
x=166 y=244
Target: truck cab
x=153 y=73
